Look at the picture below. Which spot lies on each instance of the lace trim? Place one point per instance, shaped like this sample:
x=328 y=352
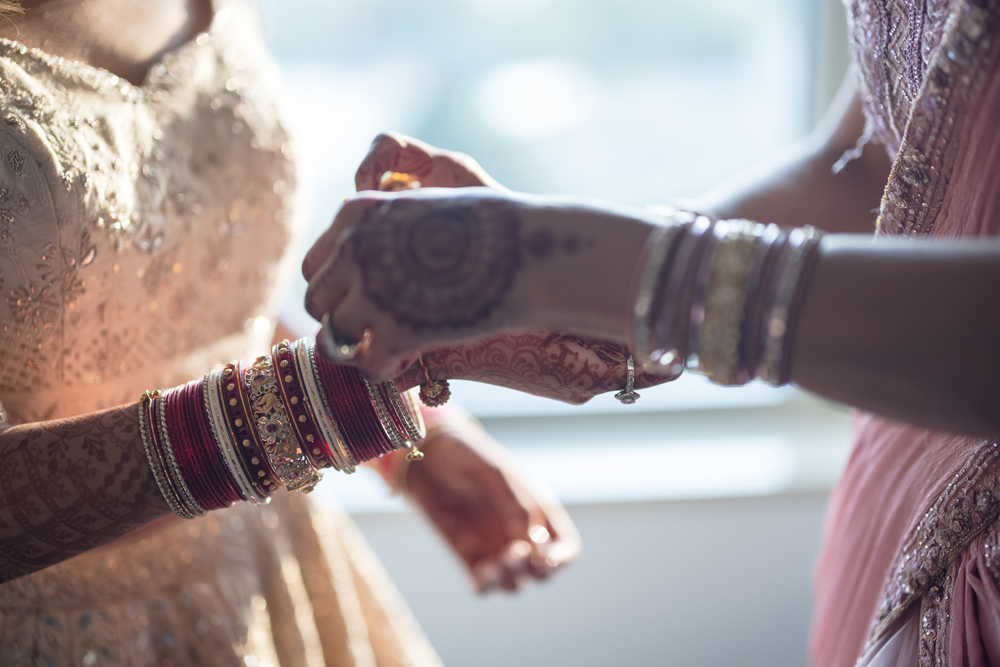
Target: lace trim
x=921 y=172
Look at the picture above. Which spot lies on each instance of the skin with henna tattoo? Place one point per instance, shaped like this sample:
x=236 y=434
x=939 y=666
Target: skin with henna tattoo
x=70 y=485
x=439 y=270
x=564 y=367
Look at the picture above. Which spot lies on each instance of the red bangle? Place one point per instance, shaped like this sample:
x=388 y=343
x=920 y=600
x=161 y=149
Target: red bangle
x=297 y=407
x=200 y=463
x=351 y=406
x=245 y=430
x=227 y=488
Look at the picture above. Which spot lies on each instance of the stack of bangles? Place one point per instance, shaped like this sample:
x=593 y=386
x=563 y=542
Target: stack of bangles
x=249 y=428
x=722 y=297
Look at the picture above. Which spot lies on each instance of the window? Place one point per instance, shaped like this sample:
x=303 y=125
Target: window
x=634 y=101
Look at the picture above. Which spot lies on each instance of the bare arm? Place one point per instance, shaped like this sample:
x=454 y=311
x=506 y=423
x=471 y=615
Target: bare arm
x=71 y=485
x=906 y=329
x=799 y=187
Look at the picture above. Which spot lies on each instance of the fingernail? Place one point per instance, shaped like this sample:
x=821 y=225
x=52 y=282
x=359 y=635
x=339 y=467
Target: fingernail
x=539 y=534
x=517 y=557
x=487 y=574
x=556 y=555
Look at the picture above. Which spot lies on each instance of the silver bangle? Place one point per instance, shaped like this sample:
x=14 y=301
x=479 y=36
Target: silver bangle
x=657 y=248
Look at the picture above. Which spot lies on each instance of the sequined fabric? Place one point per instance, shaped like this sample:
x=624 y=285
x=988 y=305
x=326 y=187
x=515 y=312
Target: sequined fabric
x=142 y=237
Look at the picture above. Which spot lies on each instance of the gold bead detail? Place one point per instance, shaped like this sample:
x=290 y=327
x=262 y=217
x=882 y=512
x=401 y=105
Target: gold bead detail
x=302 y=418
x=246 y=443
x=288 y=378
x=284 y=363
x=260 y=473
x=230 y=386
x=239 y=422
x=255 y=461
x=310 y=438
x=295 y=400
x=232 y=401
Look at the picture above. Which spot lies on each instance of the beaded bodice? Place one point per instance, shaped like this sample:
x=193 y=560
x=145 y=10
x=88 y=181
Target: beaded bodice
x=921 y=67
x=893 y=43
x=141 y=226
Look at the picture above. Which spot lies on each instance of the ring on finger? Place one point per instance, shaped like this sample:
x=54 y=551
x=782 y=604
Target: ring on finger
x=337 y=345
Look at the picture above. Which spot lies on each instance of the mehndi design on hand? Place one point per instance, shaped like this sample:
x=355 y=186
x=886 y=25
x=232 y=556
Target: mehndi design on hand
x=446 y=268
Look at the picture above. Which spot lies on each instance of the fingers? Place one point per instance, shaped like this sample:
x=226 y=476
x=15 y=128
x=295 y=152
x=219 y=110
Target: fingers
x=521 y=562
x=392 y=151
x=378 y=353
x=433 y=167
x=350 y=213
x=330 y=283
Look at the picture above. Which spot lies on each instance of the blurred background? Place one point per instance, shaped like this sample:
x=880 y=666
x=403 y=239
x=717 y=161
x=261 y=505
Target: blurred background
x=700 y=506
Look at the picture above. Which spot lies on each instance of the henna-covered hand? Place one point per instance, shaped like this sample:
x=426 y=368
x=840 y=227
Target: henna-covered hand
x=505 y=528
x=564 y=367
x=426 y=267
x=70 y=485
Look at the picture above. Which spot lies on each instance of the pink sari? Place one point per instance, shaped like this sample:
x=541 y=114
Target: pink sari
x=909 y=573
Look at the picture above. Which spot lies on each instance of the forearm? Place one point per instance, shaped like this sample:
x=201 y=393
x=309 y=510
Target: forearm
x=70 y=485
x=799 y=187
x=906 y=329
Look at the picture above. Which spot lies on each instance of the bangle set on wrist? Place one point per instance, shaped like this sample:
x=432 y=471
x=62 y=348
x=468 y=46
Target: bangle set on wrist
x=721 y=296
x=245 y=430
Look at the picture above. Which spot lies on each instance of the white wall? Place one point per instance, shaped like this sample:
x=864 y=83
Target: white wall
x=708 y=582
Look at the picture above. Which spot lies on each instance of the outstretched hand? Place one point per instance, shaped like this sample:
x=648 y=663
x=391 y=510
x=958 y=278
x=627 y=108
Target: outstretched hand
x=505 y=530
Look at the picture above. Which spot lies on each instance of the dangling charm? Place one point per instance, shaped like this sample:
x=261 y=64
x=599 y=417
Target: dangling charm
x=433 y=393
x=628 y=395
x=414 y=454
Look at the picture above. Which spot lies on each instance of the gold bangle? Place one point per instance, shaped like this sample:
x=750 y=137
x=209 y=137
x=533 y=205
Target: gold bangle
x=720 y=333
x=292 y=467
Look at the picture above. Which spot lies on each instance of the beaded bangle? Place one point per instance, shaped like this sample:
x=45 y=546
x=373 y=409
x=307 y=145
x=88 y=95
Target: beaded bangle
x=333 y=437
x=244 y=428
x=300 y=416
x=236 y=434
x=289 y=463
x=226 y=441
x=725 y=304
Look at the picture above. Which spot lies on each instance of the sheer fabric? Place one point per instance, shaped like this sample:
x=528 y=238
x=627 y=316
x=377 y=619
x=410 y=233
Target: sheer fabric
x=142 y=238
x=909 y=567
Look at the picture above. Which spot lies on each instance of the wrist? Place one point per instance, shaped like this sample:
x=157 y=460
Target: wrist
x=579 y=277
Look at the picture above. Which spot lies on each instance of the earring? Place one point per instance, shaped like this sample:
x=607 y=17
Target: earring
x=433 y=393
